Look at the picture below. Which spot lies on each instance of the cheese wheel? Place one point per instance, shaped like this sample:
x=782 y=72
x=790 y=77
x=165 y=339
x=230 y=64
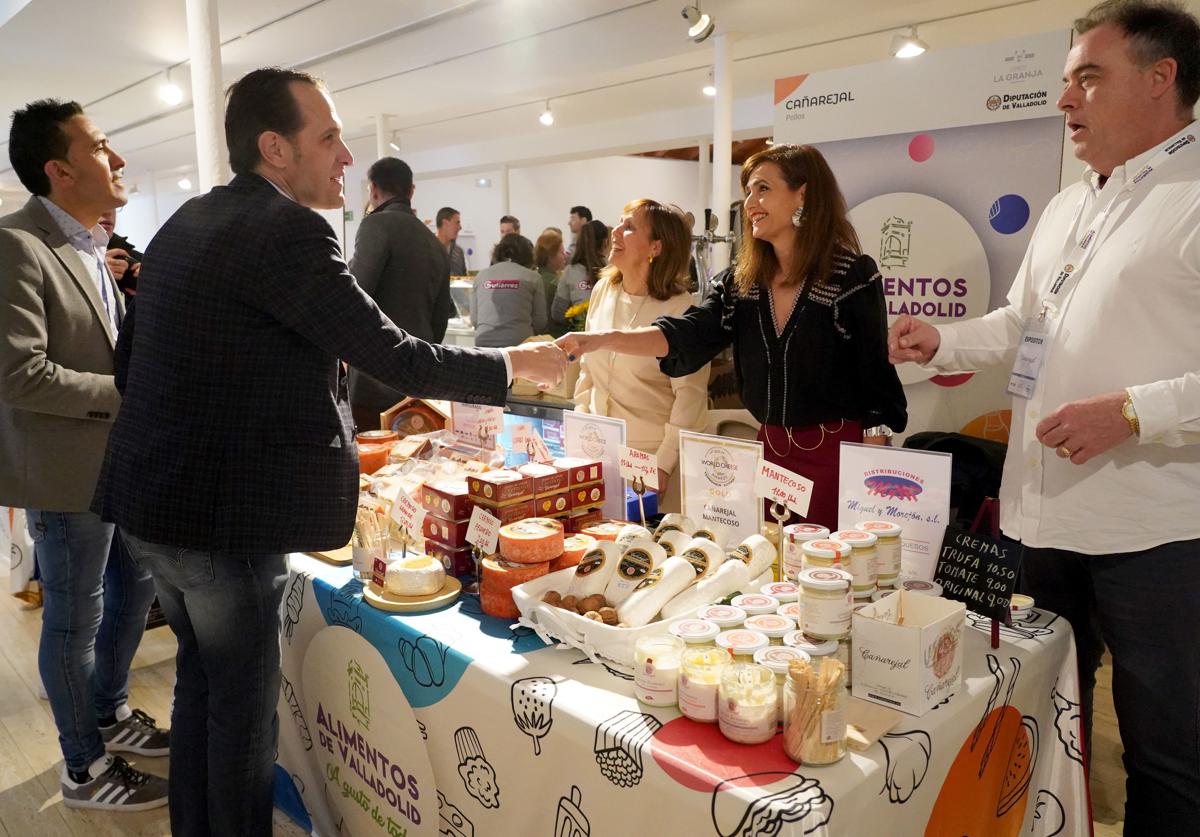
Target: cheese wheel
x=730 y=577
x=574 y=548
x=418 y=575
x=531 y=541
x=606 y=531
x=640 y=557
x=705 y=556
x=655 y=590
x=595 y=569
x=758 y=554
x=499 y=578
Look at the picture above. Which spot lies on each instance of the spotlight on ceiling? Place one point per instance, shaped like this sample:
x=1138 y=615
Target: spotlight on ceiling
x=185 y=184
x=547 y=117
x=394 y=146
x=484 y=182
x=908 y=46
x=700 y=25
x=709 y=88
x=170 y=92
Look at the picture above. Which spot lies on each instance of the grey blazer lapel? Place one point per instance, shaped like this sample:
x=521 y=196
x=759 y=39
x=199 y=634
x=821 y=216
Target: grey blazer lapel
x=71 y=262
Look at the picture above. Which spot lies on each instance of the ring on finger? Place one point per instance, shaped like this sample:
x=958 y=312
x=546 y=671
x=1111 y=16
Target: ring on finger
x=1065 y=452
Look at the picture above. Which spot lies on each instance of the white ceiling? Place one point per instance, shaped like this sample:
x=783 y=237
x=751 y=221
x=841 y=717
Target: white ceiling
x=456 y=71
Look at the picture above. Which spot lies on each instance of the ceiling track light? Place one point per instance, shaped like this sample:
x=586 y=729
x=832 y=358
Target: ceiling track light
x=700 y=25
x=710 y=88
x=170 y=92
x=184 y=184
x=908 y=46
x=547 y=117
x=394 y=142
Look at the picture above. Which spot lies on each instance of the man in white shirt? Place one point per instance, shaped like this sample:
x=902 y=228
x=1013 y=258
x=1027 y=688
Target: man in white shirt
x=1102 y=475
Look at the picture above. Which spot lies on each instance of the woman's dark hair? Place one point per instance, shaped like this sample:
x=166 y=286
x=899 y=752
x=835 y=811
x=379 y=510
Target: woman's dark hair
x=825 y=231
x=261 y=101
x=591 y=249
x=514 y=248
x=37 y=137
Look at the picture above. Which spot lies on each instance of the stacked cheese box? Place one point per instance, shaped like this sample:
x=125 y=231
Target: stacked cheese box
x=529 y=549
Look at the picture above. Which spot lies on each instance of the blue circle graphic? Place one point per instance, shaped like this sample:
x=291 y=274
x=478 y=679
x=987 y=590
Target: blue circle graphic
x=1009 y=214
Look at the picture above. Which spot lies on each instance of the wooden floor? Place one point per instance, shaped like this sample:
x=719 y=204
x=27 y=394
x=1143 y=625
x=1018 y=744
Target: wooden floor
x=30 y=764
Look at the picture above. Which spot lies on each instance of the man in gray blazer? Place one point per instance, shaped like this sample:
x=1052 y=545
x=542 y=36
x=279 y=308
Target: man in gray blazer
x=60 y=310
x=402 y=266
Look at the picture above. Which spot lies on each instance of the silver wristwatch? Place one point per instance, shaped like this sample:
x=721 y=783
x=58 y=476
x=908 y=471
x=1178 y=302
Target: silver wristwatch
x=878 y=430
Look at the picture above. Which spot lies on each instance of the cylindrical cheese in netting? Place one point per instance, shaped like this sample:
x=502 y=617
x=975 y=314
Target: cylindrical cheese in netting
x=705 y=556
x=758 y=554
x=531 y=541
x=656 y=589
x=630 y=531
x=641 y=555
x=673 y=541
x=595 y=569
x=498 y=580
x=729 y=578
x=674 y=522
x=574 y=548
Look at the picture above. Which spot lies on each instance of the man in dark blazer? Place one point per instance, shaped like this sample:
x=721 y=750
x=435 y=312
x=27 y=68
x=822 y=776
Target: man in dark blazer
x=235 y=445
x=59 y=313
x=402 y=266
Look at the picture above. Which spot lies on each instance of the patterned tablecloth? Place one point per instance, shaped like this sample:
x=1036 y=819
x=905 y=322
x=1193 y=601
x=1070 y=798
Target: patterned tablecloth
x=454 y=723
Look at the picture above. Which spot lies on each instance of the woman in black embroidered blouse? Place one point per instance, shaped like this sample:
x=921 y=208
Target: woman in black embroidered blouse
x=804 y=311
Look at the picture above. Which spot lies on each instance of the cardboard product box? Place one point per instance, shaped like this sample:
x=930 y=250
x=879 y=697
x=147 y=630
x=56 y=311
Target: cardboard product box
x=581 y=471
x=908 y=651
x=447 y=499
x=452 y=533
x=415 y=415
x=577 y=521
x=458 y=562
x=553 y=505
x=509 y=512
x=547 y=479
x=587 y=496
x=500 y=487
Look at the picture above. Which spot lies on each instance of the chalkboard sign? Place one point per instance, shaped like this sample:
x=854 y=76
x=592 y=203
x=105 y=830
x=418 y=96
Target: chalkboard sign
x=979 y=571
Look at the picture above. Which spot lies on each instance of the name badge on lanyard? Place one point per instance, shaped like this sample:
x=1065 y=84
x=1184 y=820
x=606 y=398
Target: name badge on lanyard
x=1030 y=354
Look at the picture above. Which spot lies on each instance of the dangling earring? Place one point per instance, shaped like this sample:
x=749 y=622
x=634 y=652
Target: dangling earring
x=798 y=216
x=650 y=260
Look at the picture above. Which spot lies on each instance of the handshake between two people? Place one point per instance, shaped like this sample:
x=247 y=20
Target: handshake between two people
x=545 y=363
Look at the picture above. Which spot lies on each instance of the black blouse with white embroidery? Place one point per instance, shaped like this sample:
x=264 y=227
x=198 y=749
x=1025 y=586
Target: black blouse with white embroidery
x=829 y=363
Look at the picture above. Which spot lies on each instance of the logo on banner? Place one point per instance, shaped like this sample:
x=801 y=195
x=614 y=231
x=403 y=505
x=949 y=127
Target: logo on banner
x=1015 y=70
x=893 y=485
x=895 y=242
x=718 y=467
x=993 y=102
x=1018 y=101
x=591 y=440
x=360 y=697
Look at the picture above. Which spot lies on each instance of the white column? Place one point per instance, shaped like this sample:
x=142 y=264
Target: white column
x=722 y=144
x=504 y=210
x=382 y=149
x=154 y=199
x=705 y=182
x=208 y=103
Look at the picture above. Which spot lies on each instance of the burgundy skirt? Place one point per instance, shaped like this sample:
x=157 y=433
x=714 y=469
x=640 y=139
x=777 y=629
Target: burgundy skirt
x=811 y=452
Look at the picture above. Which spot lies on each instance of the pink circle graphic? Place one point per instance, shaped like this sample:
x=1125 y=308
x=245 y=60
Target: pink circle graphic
x=920 y=148
x=697 y=756
x=952 y=380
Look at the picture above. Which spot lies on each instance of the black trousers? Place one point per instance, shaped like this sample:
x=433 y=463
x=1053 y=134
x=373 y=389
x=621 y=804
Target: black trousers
x=1145 y=606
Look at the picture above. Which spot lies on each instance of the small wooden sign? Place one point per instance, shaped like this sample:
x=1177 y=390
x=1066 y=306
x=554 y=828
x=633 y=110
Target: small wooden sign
x=979 y=571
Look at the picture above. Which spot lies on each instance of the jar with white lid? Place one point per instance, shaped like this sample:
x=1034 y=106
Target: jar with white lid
x=925 y=588
x=887 y=549
x=826 y=602
x=1021 y=606
x=795 y=535
x=862 y=560
x=775 y=627
x=755 y=603
x=656 y=669
x=742 y=643
x=818 y=648
x=723 y=616
x=748 y=703
x=784 y=591
x=695 y=632
x=825 y=552
x=778 y=658
x=791 y=610
x=700 y=682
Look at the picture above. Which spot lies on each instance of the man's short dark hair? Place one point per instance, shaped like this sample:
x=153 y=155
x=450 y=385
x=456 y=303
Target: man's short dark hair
x=261 y=101
x=37 y=137
x=514 y=248
x=582 y=211
x=391 y=176
x=511 y=219
x=1156 y=29
x=446 y=213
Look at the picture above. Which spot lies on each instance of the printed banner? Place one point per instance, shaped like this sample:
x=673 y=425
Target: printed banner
x=718 y=485
x=909 y=487
x=599 y=437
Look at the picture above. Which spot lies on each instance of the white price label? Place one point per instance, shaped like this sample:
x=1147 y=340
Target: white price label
x=779 y=485
x=406 y=512
x=635 y=463
x=477 y=424
x=528 y=441
x=484 y=530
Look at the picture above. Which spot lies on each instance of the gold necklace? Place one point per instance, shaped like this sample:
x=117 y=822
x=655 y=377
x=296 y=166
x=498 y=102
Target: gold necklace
x=793 y=443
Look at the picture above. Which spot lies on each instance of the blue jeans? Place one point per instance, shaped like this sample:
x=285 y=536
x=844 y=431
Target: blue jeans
x=94 y=614
x=224 y=610
x=1145 y=606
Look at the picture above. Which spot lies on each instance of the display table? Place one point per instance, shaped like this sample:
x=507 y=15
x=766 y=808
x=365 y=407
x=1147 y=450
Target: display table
x=454 y=723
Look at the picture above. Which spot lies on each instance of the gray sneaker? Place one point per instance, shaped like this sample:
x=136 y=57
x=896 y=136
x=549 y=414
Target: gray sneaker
x=119 y=788
x=136 y=734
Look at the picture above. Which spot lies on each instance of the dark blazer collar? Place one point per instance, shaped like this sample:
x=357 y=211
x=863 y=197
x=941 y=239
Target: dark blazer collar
x=394 y=205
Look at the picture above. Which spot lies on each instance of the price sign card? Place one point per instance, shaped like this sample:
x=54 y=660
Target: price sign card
x=528 y=441
x=407 y=513
x=477 y=424
x=635 y=463
x=779 y=485
x=979 y=571
x=484 y=530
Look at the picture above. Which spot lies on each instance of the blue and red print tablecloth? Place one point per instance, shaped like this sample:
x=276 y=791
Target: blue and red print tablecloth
x=454 y=723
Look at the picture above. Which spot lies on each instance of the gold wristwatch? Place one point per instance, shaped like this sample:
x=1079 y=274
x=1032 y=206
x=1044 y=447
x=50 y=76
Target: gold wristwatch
x=1130 y=415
